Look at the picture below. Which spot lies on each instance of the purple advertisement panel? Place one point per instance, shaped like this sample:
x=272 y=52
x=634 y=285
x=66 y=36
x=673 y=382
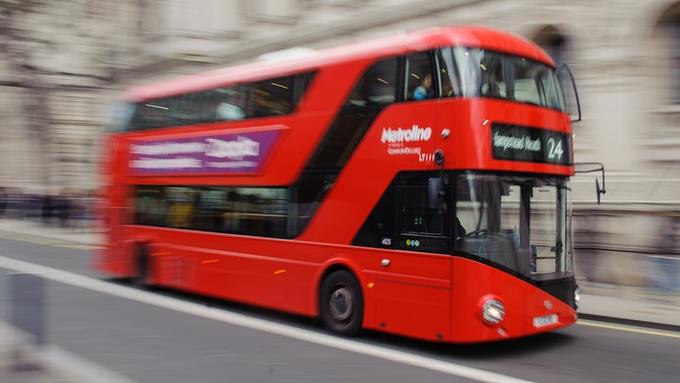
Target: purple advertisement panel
x=217 y=153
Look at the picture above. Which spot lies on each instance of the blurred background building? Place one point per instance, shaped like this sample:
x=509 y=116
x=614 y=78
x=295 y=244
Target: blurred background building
x=64 y=63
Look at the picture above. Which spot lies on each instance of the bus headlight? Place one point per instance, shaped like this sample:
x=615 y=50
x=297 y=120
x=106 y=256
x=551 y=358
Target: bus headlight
x=577 y=297
x=493 y=311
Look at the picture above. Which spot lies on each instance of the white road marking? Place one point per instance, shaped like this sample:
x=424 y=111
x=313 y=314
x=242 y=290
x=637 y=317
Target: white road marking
x=73 y=366
x=258 y=324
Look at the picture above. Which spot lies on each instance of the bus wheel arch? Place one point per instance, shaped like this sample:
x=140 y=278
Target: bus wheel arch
x=340 y=300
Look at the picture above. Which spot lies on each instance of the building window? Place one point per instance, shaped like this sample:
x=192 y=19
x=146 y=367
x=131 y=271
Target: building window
x=668 y=30
x=673 y=31
x=553 y=42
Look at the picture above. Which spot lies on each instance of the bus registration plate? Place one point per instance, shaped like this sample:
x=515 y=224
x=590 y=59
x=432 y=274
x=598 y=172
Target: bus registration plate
x=545 y=320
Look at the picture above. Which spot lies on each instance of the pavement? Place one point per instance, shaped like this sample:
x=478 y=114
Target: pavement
x=27 y=368
x=604 y=301
x=84 y=234
x=22 y=361
x=625 y=303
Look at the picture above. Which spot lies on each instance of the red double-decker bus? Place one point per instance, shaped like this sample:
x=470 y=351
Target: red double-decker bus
x=416 y=185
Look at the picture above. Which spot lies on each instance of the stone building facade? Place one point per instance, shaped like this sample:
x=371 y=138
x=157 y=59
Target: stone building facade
x=71 y=58
x=66 y=61
x=55 y=67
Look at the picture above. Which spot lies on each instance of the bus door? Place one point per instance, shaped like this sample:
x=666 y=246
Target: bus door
x=413 y=285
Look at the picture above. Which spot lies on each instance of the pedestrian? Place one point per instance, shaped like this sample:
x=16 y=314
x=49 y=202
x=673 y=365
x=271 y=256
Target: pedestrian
x=667 y=261
x=3 y=202
x=63 y=209
x=47 y=208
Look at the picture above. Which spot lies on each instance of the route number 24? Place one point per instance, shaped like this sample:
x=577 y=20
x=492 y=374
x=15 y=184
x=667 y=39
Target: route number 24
x=554 y=149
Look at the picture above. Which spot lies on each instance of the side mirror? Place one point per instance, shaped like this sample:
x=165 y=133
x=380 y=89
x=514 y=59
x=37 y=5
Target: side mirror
x=435 y=193
x=599 y=191
x=565 y=74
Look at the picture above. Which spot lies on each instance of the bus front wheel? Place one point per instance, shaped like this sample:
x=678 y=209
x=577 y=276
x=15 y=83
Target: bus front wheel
x=341 y=305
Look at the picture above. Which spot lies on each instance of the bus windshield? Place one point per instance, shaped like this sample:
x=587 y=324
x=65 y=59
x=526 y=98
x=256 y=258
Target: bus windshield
x=518 y=222
x=474 y=72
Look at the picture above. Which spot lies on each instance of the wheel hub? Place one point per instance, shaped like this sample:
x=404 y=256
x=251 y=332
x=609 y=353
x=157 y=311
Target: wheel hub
x=340 y=303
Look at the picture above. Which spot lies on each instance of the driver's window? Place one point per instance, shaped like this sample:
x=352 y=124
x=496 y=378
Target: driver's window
x=421 y=227
x=415 y=214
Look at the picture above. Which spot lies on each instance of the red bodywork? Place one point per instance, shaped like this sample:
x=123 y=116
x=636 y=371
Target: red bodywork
x=428 y=296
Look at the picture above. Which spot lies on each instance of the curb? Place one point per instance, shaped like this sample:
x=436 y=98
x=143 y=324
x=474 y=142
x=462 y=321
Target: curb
x=630 y=322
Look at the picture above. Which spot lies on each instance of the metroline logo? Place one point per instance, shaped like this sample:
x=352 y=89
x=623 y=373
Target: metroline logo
x=414 y=134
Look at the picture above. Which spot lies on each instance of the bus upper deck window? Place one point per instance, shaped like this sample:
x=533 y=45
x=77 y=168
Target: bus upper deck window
x=377 y=86
x=450 y=81
x=232 y=103
x=491 y=72
x=273 y=97
x=419 y=79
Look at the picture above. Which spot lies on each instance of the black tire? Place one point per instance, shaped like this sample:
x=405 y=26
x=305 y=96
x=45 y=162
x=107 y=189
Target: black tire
x=341 y=303
x=141 y=277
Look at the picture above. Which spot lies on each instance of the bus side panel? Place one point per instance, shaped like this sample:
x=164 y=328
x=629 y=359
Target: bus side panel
x=114 y=257
x=370 y=170
x=264 y=272
x=411 y=296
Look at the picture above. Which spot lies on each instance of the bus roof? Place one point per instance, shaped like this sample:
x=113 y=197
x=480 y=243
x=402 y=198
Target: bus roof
x=393 y=45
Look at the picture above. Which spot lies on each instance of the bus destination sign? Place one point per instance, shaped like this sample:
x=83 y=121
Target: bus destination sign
x=214 y=153
x=520 y=143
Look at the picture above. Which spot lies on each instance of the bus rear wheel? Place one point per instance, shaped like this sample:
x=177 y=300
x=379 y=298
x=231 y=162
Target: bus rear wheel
x=341 y=305
x=141 y=277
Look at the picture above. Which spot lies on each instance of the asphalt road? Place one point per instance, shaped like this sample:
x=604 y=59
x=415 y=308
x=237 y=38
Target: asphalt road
x=149 y=343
